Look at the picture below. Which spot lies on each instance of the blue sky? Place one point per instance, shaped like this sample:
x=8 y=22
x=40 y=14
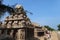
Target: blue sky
x=45 y=12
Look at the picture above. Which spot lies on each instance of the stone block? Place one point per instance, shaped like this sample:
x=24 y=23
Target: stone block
x=15 y=17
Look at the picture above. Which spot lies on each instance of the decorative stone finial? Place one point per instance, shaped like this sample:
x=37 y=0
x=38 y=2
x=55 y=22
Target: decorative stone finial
x=18 y=6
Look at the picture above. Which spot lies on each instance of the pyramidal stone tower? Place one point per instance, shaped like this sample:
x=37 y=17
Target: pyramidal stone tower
x=16 y=24
x=19 y=18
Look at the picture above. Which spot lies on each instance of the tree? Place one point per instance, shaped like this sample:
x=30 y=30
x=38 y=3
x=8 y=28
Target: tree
x=58 y=27
x=4 y=8
x=49 y=28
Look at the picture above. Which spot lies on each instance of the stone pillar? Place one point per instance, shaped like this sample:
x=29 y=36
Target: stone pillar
x=11 y=33
x=20 y=34
x=14 y=34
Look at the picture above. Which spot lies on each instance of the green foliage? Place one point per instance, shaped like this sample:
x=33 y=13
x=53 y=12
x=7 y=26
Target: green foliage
x=49 y=28
x=58 y=27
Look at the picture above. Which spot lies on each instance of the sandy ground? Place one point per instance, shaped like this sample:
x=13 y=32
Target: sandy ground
x=54 y=35
x=58 y=34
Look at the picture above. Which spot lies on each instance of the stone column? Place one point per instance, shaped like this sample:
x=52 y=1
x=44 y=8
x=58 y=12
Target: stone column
x=14 y=34
x=11 y=33
x=20 y=34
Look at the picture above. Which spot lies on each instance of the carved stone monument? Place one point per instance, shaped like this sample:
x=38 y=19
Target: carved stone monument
x=17 y=20
x=19 y=27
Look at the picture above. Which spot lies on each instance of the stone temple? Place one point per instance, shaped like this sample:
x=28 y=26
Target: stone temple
x=19 y=27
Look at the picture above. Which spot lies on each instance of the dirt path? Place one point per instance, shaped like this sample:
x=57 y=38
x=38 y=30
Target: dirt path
x=58 y=33
x=54 y=35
